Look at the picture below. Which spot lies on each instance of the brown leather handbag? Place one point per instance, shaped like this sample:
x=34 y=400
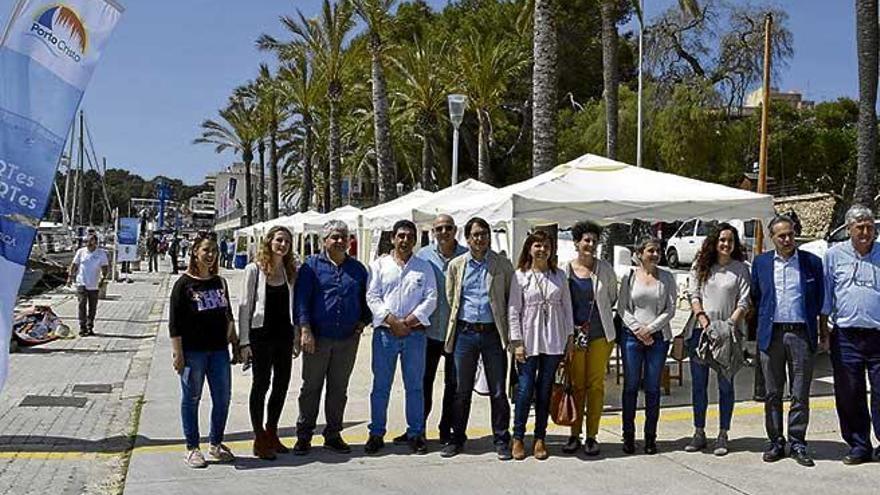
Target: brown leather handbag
x=562 y=405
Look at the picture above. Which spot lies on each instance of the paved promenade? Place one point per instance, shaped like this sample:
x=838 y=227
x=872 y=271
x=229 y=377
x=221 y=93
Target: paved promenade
x=83 y=446
x=70 y=450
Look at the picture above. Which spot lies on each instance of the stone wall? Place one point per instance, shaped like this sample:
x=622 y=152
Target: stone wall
x=815 y=212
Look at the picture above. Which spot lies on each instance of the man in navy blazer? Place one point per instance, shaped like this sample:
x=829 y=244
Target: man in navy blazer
x=788 y=292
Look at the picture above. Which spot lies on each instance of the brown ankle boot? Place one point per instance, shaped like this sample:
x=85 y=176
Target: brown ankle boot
x=274 y=441
x=540 y=450
x=262 y=446
x=519 y=449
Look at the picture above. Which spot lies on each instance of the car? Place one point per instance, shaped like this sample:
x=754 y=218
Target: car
x=820 y=246
x=682 y=247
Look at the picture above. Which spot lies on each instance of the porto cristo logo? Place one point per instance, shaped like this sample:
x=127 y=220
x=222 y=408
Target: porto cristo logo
x=63 y=32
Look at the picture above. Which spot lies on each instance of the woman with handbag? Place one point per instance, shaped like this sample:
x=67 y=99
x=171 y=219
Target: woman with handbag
x=647 y=303
x=718 y=290
x=267 y=335
x=540 y=330
x=199 y=321
x=593 y=287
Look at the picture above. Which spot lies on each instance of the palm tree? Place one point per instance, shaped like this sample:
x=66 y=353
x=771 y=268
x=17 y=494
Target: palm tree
x=302 y=90
x=325 y=39
x=235 y=131
x=423 y=94
x=484 y=66
x=376 y=14
x=544 y=87
x=273 y=113
x=868 y=44
x=610 y=74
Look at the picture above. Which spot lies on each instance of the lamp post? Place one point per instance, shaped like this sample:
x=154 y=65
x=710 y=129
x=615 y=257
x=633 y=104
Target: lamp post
x=457 y=104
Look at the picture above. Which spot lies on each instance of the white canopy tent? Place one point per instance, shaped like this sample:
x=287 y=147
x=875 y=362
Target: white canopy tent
x=602 y=190
x=351 y=215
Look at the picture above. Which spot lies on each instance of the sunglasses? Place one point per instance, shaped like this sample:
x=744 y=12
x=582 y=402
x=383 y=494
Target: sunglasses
x=444 y=228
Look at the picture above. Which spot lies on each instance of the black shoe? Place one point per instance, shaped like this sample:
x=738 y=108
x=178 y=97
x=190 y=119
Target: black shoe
x=802 y=457
x=445 y=438
x=302 y=446
x=418 y=445
x=503 y=451
x=400 y=439
x=629 y=443
x=854 y=460
x=650 y=445
x=450 y=450
x=774 y=452
x=573 y=445
x=374 y=444
x=83 y=332
x=337 y=444
x=591 y=447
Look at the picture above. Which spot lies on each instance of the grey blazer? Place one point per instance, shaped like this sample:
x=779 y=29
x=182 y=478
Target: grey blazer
x=252 y=304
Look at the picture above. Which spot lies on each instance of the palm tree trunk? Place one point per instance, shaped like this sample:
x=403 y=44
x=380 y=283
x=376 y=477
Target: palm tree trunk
x=261 y=192
x=334 y=199
x=427 y=158
x=484 y=168
x=382 y=125
x=868 y=43
x=610 y=74
x=544 y=88
x=305 y=193
x=248 y=157
x=273 y=171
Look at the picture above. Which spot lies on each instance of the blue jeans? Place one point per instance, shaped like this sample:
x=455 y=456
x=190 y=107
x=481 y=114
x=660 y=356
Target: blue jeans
x=469 y=347
x=198 y=365
x=854 y=352
x=700 y=389
x=411 y=349
x=535 y=378
x=640 y=360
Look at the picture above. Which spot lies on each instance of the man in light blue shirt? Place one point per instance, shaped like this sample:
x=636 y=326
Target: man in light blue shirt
x=475 y=306
x=439 y=254
x=852 y=302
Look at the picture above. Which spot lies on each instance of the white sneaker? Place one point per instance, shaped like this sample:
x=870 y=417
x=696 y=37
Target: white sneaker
x=221 y=453
x=195 y=459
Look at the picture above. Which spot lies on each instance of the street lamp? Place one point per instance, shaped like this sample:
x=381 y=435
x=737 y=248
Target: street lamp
x=457 y=104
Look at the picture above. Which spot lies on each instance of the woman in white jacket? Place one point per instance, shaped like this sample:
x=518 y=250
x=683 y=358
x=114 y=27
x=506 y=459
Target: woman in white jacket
x=267 y=334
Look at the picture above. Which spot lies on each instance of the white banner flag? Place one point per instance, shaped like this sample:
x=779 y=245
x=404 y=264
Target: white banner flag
x=48 y=52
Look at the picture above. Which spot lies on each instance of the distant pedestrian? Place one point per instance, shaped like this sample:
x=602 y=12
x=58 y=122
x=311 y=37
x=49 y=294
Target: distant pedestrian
x=402 y=295
x=88 y=271
x=541 y=327
x=201 y=326
x=223 y=251
x=266 y=334
x=718 y=289
x=153 y=253
x=787 y=290
x=852 y=301
x=332 y=311
x=593 y=287
x=230 y=254
x=477 y=288
x=184 y=246
x=439 y=254
x=647 y=305
x=174 y=250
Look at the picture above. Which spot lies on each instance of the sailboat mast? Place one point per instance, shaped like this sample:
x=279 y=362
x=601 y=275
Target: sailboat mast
x=66 y=206
x=81 y=183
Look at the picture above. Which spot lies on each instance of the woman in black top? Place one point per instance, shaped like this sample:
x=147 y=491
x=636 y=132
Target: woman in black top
x=266 y=333
x=199 y=323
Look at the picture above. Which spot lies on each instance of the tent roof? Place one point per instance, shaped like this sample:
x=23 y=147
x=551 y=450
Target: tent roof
x=599 y=189
x=449 y=198
x=348 y=214
x=383 y=216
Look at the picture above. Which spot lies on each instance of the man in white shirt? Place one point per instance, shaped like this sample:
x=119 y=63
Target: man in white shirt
x=402 y=295
x=89 y=269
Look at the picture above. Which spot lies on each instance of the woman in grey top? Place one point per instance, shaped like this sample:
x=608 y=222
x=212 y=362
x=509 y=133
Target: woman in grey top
x=647 y=303
x=719 y=291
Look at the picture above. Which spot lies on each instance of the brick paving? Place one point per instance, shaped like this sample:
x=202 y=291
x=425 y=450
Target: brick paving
x=69 y=450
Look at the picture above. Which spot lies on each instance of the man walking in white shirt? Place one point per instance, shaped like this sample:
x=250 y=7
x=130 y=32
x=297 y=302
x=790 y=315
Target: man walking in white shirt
x=402 y=295
x=89 y=269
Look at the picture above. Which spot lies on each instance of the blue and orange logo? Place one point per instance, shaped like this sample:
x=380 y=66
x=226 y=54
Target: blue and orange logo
x=61 y=28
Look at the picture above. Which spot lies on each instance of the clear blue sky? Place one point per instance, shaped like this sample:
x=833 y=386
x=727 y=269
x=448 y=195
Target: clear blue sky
x=172 y=64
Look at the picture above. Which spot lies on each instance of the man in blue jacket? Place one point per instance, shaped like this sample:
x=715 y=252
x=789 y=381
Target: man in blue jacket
x=788 y=292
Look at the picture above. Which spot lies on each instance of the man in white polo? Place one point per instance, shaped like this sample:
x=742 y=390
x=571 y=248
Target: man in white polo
x=89 y=269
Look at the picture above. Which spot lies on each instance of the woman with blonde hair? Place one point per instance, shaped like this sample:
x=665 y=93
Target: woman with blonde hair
x=266 y=334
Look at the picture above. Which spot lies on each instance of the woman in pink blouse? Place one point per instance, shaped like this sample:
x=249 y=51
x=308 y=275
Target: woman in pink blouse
x=541 y=324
